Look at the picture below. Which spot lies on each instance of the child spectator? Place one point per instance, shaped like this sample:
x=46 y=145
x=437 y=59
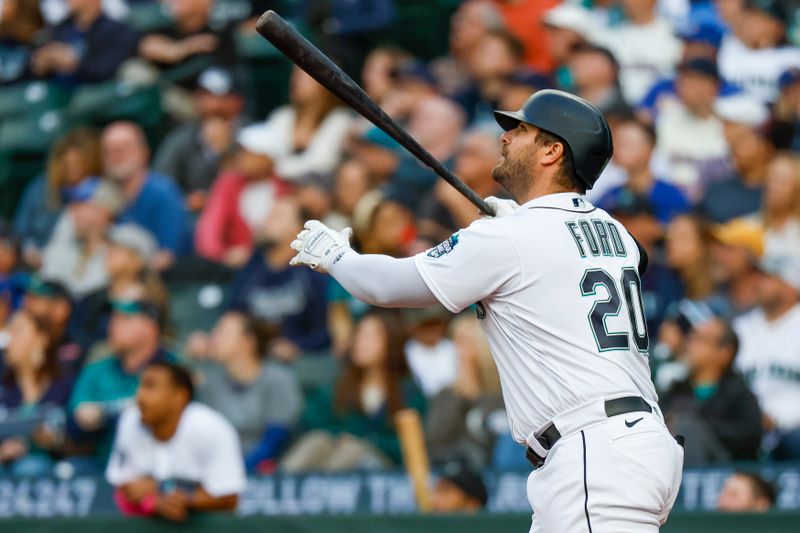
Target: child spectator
x=746 y=492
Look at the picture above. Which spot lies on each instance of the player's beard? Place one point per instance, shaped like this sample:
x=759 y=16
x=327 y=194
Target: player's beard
x=513 y=175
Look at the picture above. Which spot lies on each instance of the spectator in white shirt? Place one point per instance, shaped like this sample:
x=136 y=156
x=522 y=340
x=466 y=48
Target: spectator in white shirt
x=172 y=456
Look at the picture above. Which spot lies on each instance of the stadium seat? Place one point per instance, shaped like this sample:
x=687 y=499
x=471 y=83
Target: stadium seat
x=26 y=98
x=195 y=306
x=148 y=16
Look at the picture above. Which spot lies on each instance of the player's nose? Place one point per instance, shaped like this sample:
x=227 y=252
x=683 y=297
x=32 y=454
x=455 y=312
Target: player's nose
x=505 y=138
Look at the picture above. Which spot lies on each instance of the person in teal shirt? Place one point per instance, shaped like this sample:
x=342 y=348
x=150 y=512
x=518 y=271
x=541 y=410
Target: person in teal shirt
x=105 y=387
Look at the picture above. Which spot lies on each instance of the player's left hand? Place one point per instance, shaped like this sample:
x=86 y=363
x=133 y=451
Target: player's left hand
x=502 y=208
x=318 y=246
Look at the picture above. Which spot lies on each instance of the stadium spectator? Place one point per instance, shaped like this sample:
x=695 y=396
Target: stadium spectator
x=567 y=27
x=104 y=388
x=194 y=152
x=471 y=21
x=242 y=198
x=738 y=246
x=446 y=210
x=351 y=182
x=519 y=86
x=128 y=257
x=661 y=287
x=13 y=280
x=691 y=148
x=436 y=124
x=292 y=299
x=746 y=492
x=688 y=251
x=739 y=194
x=152 y=201
x=645 y=46
x=525 y=20
x=635 y=142
x=261 y=399
x=351 y=422
x=459 y=490
x=430 y=355
x=377 y=152
x=713 y=408
x=20 y=22
x=50 y=303
x=191 y=39
x=33 y=387
x=172 y=456
x=787 y=108
x=313 y=124
x=769 y=357
x=377 y=74
x=474 y=394
x=780 y=213
x=594 y=76
x=87 y=47
x=497 y=56
x=381 y=225
x=75 y=254
x=73 y=158
x=754 y=54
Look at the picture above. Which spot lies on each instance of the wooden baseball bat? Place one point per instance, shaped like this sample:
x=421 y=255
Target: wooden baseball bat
x=309 y=58
x=415 y=455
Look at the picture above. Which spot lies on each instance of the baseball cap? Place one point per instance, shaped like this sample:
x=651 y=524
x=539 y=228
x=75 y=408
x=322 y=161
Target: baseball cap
x=218 y=81
x=742 y=109
x=137 y=307
x=700 y=65
x=378 y=137
x=50 y=289
x=628 y=204
x=468 y=481
x=109 y=196
x=135 y=238
x=83 y=191
x=702 y=33
x=772 y=8
x=742 y=233
x=264 y=140
x=569 y=17
x=783 y=266
x=414 y=70
x=789 y=78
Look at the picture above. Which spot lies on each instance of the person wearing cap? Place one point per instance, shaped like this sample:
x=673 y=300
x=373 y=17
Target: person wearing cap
x=129 y=256
x=12 y=278
x=192 y=152
x=769 y=354
x=738 y=246
x=49 y=302
x=520 y=84
x=524 y=19
x=459 y=490
x=151 y=200
x=314 y=124
x=635 y=142
x=645 y=46
x=691 y=150
x=713 y=407
x=593 y=74
x=739 y=193
x=377 y=152
x=241 y=198
x=567 y=27
x=755 y=53
x=105 y=387
x=75 y=254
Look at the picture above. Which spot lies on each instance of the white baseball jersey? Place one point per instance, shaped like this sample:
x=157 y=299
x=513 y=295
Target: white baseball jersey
x=558 y=293
x=769 y=359
x=204 y=450
x=756 y=70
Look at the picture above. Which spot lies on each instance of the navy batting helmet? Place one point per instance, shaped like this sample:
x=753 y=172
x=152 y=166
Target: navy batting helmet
x=573 y=119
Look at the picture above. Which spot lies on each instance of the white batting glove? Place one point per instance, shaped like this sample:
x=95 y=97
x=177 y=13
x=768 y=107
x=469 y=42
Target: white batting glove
x=318 y=246
x=502 y=208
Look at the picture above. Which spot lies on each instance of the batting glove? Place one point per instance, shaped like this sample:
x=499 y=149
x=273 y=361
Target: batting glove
x=318 y=246
x=502 y=208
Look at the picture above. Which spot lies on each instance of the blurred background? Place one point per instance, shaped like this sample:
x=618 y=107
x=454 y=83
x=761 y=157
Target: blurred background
x=158 y=157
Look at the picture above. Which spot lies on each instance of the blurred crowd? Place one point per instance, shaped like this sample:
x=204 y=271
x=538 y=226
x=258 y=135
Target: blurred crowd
x=144 y=281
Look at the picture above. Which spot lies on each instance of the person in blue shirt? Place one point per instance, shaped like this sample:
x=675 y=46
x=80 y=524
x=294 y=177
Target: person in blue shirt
x=152 y=201
x=635 y=142
x=292 y=299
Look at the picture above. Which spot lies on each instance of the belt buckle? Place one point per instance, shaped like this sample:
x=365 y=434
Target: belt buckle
x=533 y=458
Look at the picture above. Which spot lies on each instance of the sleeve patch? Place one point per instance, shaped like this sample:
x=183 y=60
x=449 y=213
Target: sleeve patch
x=445 y=247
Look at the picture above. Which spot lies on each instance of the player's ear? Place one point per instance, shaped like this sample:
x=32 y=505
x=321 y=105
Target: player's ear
x=552 y=154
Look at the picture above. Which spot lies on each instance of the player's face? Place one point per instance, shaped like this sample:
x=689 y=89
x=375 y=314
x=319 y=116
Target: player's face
x=155 y=396
x=519 y=153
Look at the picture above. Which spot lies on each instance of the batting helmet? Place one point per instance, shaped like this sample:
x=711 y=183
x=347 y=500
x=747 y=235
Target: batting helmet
x=573 y=119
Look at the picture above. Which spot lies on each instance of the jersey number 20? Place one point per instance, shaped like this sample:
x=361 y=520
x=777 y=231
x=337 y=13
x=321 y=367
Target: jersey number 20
x=632 y=292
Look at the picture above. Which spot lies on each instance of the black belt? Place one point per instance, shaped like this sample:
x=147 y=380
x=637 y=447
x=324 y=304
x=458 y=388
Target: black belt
x=618 y=406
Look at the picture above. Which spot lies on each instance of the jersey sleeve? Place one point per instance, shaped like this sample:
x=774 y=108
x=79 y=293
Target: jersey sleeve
x=121 y=467
x=223 y=472
x=470 y=265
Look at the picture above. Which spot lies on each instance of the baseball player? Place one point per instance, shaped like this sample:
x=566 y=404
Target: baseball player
x=556 y=284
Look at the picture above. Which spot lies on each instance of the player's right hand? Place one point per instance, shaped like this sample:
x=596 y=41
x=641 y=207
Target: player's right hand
x=501 y=207
x=318 y=246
